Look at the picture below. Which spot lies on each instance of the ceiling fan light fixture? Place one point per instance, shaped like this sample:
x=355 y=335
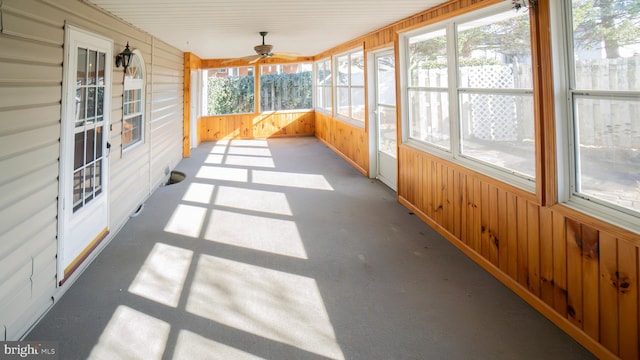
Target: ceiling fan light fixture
x=263 y=49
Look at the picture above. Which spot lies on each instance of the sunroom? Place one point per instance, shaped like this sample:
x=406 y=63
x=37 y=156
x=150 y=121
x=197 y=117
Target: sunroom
x=510 y=128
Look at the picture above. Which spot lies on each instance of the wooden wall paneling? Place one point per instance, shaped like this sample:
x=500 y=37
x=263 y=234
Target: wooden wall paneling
x=485 y=232
x=591 y=284
x=469 y=219
x=450 y=201
x=546 y=255
x=512 y=235
x=494 y=240
x=533 y=247
x=458 y=203
x=502 y=237
x=609 y=292
x=428 y=182
x=628 y=300
x=465 y=207
x=476 y=229
x=420 y=181
x=438 y=187
x=523 y=257
x=574 y=272
x=559 y=264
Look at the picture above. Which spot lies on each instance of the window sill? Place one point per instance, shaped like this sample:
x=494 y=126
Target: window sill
x=605 y=214
x=352 y=122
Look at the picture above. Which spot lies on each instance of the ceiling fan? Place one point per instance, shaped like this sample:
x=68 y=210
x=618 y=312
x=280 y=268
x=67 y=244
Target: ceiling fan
x=263 y=51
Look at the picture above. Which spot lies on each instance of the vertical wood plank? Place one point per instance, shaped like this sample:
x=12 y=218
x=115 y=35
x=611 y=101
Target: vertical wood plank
x=590 y=277
x=494 y=234
x=523 y=257
x=458 y=200
x=503 y=238
x=609 y=292
x=546 y=256
x=464 y=208
x=559 y=264
x=484 y=221
x=628 y=300
x=477 y=191
x=512 y=236
x=439 y=189
x=574 y=272
x=533 y=247
x=450 y=201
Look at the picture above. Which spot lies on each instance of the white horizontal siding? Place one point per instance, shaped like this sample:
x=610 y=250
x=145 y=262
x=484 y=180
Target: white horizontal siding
x=31 y=67
x=166 y=111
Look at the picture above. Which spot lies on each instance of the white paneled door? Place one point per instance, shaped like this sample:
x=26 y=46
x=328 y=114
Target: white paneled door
x=84 y=164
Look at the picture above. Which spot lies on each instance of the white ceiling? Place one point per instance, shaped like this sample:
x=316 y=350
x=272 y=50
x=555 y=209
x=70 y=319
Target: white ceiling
x=214 y=29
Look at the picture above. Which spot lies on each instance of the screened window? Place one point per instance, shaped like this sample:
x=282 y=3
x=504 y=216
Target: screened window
x=481 y=111
x=349 y=83
x=604 y=92
x=286 y=87
x=133 y=103
x=323 y=85
x=229 y=90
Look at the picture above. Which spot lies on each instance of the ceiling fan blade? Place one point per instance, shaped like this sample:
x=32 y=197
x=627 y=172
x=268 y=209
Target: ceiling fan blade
x=258 y=58
x=288 y=56
x=246 y=58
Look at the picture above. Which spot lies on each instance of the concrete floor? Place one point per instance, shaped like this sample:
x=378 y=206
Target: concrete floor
x=279 y=249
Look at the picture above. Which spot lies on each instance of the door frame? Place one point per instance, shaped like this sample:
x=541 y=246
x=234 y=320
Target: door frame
x=73 y=37
x=372 y=80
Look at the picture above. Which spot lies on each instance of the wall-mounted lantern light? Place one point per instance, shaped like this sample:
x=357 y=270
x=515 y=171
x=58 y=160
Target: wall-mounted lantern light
x=124 y=58
x=524 y=4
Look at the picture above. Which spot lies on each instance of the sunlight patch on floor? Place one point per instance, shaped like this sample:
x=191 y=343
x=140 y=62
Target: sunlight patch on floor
x=240 y=160
x=223 y=173
x=270 y=202
x=237 y=150
x=186 y=220
x=131 y=334
x=297 y=180
x=161 y=277
x=200 y=193
x=191 y=346
x=260 y=233
x=280 y=306
x=249 y=143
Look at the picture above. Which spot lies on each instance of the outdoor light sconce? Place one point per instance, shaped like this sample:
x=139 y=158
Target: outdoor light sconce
x=524 y=4
x=124 y=58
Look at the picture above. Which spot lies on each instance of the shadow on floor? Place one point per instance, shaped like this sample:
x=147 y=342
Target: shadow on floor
x=278 y=249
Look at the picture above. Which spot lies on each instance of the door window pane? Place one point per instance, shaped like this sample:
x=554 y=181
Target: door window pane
x=386 y=80
x=81 y=78
x=90 y=146
x=92 y=68
x=78 y=154
x=387 y=130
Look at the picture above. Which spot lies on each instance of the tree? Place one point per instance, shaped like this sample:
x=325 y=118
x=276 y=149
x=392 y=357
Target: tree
x=607 y=23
